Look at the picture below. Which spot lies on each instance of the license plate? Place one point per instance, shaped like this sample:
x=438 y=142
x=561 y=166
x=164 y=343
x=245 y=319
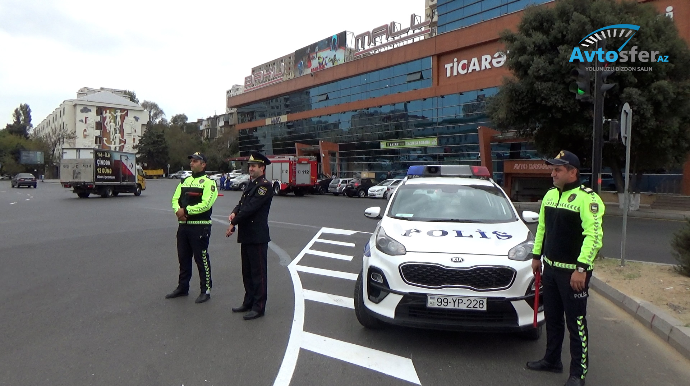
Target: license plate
x=456 y=302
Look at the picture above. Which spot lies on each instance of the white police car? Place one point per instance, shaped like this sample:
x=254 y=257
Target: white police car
x=449 y=253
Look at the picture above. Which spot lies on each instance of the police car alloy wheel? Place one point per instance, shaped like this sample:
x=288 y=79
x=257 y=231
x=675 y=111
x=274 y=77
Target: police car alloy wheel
x=449 y=253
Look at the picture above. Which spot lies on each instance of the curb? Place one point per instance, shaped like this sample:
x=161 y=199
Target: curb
x=659 y=321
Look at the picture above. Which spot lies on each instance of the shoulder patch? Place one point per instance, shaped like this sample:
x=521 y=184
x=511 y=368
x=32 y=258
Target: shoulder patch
x=594 y=207
x=586 y=189
x=572 y=197
x=213 y=188
x=201 y=181
x=262 y=190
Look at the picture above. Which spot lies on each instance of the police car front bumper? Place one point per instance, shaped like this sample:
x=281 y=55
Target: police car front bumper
x=509 y=308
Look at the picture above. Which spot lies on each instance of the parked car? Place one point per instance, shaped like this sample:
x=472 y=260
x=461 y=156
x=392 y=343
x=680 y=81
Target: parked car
x=181 y=174
x=23 y=179
x=322 y=183
x=239 y=183
x=337 y=185
x=235 y=173
x=383 y=189
x=5 y=177
x=359 y=187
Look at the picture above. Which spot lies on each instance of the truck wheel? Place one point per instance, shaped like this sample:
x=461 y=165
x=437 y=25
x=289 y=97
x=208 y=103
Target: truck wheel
x=83 y=195
x=107 y=192
x=363 y=316
x=276 y=189
x=299 y=192
x=137 y=191
x=362 y=193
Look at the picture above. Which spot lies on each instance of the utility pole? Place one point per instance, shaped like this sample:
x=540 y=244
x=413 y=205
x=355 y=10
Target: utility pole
x=598 y=124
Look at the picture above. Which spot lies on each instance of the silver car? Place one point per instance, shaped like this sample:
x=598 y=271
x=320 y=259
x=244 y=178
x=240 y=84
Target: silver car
x=338 y=185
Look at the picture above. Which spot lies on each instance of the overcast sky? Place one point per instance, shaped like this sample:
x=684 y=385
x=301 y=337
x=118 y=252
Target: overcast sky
x=181 y=55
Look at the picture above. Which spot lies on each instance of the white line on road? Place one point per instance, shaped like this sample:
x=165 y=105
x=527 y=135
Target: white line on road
x=334 y=300
x=389 y=364
x=327 y=272
x=342 y=243
x=328 y=254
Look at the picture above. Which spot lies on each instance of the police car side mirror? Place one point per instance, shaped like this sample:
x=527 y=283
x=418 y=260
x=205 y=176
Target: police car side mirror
x=530 y=217
x=373 y=212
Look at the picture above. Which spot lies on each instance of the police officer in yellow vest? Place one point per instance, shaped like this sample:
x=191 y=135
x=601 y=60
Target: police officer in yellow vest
x=193 y=204
x=568 y=238
x=251 y=217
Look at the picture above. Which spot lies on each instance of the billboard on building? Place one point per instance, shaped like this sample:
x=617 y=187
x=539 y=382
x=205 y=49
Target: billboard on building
x=30 y=157
x=321 y=55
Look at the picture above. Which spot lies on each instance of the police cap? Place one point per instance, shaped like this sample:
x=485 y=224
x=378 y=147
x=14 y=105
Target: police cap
x=198 y=156
x=258 y=158
x=565 y=158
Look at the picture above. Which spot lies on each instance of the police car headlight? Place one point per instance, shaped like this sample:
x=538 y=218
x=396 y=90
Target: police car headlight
x=521 y=252
x=387 y=245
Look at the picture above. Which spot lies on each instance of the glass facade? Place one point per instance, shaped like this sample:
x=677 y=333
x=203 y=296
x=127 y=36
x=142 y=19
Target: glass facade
x=452 y=120
x=404 y=77
x=454 y=14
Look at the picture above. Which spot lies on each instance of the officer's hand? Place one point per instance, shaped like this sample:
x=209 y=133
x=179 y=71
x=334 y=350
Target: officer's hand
x=230 y=231
x=536 y=266
x=232 y=215
x=577 y=281
x=180 y=214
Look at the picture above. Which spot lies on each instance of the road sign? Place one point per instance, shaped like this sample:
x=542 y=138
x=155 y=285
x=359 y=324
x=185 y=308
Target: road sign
x=626 y=130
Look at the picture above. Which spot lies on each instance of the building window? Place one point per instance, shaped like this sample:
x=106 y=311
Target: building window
x=415 y=76
x=98 y=140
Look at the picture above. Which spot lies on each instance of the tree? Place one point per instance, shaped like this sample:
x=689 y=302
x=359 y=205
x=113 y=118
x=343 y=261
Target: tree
x=536 y=101
x=179 y=119
x=132 y=96
x=53 y=141
x=155 y=112
x=21 y=121
x=181 y=145
x=152 y=148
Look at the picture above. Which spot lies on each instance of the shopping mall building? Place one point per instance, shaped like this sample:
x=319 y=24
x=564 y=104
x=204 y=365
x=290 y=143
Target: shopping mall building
x=400 y=94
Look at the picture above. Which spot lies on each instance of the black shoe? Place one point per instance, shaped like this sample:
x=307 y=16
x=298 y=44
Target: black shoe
x=575 y=381
x=542 y=365
x=253 y=315
x=177 y=293
x=241 y=308
x=203 y=297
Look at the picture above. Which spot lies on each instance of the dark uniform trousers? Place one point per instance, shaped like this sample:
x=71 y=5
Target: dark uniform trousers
x=559 y=299
x=192 y=240
x=254 y=275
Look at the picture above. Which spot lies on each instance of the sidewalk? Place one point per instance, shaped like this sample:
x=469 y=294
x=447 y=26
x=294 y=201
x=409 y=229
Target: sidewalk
x=661 y=323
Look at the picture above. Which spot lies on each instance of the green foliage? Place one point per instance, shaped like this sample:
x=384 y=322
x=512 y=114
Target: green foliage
x=156 y=114
x=537 y=103
x=152 y=148
x=11 y=146
x=21 y=121
x=681 y=249
x=132 y=96
x=179 y=119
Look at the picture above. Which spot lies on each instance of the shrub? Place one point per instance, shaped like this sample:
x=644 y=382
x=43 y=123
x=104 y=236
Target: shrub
x=681 y=249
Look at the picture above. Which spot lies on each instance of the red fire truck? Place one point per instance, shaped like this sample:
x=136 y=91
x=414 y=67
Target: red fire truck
x=292 y=174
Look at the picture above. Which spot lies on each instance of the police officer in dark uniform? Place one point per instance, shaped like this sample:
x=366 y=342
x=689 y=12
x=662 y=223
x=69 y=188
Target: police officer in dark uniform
x=193 y=203
x=569 y=235
x=251 y=217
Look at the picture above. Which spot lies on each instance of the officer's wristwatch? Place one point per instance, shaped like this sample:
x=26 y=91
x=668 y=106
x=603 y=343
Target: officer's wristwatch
x=580 y=269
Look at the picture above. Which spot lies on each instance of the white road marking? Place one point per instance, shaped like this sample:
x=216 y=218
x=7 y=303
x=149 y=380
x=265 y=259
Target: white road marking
x=342 y=243
x=389 y=364
x=335 y=300
x=327 y=272
x=328 y=254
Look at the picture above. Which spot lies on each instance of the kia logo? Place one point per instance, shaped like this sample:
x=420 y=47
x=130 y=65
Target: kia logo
x=457 y=259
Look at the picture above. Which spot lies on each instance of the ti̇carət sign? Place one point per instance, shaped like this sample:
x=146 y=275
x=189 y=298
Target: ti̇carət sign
x=416 y=142
x=386 y=36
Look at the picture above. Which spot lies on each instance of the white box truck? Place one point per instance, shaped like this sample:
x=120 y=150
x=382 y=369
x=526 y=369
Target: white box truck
x=103 y=172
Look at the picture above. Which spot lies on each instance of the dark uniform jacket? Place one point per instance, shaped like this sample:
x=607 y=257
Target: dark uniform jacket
x=196 y=195
x=570 y=231
x=251 y=213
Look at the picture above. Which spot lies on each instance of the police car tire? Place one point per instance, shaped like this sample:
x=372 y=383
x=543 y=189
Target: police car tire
x=363 y=316
x=362 y=193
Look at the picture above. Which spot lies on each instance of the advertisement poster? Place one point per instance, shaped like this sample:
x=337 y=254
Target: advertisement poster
x=321 y=55
x=112 y=166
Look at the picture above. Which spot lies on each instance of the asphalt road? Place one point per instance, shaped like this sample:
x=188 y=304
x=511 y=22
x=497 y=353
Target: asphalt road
x=82 y=304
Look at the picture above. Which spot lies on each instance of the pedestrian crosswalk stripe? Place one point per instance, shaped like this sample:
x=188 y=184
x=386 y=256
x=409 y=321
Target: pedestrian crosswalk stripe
x=383 y=362
x=344 y=244
x=335 y=300
x=327 y=272
x=329 y=254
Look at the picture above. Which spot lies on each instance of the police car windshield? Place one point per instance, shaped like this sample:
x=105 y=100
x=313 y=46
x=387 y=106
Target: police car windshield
x=451 y=203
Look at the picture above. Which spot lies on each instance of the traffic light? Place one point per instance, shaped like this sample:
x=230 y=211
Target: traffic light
x=606 y=86
x=581 y=87
x=614 y=134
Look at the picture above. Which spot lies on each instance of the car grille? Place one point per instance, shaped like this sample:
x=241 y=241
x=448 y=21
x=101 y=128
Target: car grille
x=439 y=276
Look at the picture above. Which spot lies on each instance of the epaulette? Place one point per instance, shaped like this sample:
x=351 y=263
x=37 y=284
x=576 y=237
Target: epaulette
x=551 y=188
x=586 y=189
